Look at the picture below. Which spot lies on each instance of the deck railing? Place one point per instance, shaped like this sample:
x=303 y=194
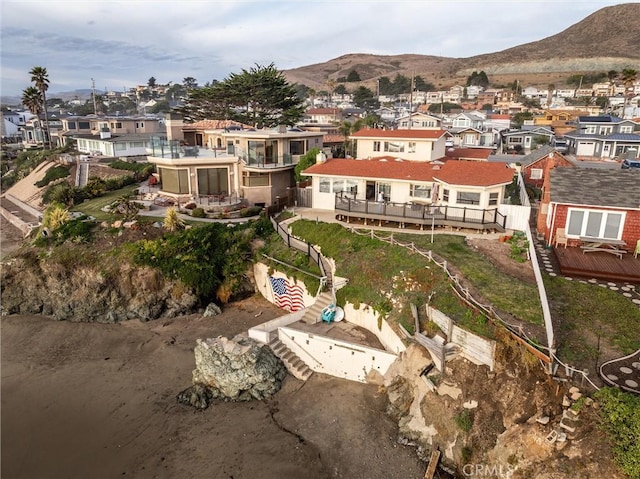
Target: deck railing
x=421 y=214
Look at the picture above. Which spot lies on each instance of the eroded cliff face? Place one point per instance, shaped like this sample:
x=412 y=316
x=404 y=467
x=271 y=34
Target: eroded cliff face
x=102 y=292
x=496 y=424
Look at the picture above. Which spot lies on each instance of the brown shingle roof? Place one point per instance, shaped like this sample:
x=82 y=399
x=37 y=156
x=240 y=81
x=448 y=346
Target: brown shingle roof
x=463 y=153
x=470 y=173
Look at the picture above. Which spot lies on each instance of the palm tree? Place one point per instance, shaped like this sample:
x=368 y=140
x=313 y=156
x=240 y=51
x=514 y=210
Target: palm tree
x=32 y=99
x=331 y=86
x=345 y=130
x=40 y=78
x=629 y=76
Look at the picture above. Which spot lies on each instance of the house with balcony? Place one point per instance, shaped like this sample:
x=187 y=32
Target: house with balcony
x=255 y=166
x=604 y=136
x=463 y=194
x=419 y=121
x=416 y=145
x=88 y=126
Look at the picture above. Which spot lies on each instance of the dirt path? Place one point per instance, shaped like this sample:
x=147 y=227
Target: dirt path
x=98 y=400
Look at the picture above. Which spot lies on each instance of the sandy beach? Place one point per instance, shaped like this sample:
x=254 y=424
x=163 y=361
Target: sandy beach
x=88 y=400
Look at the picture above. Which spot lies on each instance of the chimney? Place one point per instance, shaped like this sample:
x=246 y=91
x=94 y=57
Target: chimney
x=321 y=157
x=174 y=124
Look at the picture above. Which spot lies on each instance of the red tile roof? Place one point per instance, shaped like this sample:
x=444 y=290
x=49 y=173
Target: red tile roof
x=408 y=134
x=496 y=116
x=471 y=173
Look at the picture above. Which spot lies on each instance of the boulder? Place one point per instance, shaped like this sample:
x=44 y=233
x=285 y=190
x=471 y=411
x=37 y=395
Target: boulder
x=238 y=369
x=211 y=310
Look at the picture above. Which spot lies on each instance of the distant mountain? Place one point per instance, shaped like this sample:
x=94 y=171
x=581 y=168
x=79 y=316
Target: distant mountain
x=82 y=94
x=608 y=39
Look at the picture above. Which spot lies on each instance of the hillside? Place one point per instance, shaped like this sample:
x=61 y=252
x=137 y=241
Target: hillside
x=609 y=39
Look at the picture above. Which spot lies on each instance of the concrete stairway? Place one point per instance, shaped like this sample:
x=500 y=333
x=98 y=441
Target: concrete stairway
x=296 y=366
x=313 y=314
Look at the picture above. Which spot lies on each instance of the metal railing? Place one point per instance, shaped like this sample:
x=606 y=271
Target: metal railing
x=438 y=215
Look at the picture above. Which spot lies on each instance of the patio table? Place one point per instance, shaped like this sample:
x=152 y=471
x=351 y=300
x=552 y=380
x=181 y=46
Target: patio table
x=608 y=245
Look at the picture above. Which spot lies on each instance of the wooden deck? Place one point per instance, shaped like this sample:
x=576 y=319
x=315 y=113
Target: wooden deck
x=598 y=264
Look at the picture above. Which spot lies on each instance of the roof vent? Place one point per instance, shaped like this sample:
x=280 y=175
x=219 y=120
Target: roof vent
x=398 y=159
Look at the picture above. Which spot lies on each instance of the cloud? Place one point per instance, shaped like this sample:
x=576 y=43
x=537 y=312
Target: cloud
x=122 y=43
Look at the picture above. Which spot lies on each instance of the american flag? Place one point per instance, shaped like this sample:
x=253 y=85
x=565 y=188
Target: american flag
x=287 y=296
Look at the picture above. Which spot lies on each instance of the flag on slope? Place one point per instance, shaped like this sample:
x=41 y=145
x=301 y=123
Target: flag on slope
x=287 y=296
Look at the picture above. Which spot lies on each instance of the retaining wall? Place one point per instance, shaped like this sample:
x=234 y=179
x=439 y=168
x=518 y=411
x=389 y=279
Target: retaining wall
x=334 y=357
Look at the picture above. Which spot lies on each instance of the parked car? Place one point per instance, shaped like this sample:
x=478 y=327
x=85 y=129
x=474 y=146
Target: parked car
x=627 y=164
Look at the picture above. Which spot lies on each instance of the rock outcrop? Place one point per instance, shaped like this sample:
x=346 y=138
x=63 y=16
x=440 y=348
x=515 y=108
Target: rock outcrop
x=238 y=369
x=91 y=293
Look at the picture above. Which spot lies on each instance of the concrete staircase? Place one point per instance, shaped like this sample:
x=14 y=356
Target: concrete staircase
x=314 y=313
x=296 y=366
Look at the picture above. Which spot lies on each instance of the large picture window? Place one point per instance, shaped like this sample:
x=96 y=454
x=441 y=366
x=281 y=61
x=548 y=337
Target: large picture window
x=394 y=146
x=213 y=181
x=468 y=198
x=174 y=181
x=421 y=191
x=595 y=223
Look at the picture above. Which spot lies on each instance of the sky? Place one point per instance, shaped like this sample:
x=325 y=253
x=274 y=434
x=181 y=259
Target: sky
x=121 y=44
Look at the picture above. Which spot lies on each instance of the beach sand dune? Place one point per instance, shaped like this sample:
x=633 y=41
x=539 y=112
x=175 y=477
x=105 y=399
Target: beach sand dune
x=88 y=400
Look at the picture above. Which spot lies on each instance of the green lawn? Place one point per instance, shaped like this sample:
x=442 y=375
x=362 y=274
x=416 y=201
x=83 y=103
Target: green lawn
x=94 y=206
x=389 y=278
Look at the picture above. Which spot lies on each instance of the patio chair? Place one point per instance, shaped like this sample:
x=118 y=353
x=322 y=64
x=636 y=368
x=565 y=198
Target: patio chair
x=561 y=237
x=637 y=251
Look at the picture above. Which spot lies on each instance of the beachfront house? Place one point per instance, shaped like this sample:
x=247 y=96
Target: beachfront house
x=455 y=193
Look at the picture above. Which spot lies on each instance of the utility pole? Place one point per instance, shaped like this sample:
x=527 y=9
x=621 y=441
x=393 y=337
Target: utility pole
x=93 y=94
x=411 y=101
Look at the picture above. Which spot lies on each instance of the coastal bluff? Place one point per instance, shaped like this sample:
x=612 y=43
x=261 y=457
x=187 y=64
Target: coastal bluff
x=105 y=293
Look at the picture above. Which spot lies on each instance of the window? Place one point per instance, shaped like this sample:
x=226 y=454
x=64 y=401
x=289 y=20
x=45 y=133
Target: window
x=352 y=187
x=595 y=223
x=412 y=147
x=297 y=147
x=174 y=181
x=325 y=185
x=137 y=144
x=385 y=189
x=71 y=125
x=338 y=186
x=421 y=191
x=376 y=146
x=116 y=124
x=404 y=123
x=121 y=146
x=213 y=181
x=468 y=198
x=139 y=124
x=536 y=173
x=606 y=130
x=445 y=196
x=591 y=130
x=251 y=178
x=626 y=129
x=84 y=125
x=394 y=146
x=493 y=199
x=428 y=124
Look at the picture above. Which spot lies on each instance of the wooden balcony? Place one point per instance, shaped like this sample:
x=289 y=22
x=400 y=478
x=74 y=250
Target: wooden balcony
x=598 y=264
x=421 y=215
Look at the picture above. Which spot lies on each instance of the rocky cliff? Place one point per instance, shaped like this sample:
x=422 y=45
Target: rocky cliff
x=513 y=422
x=101 y=292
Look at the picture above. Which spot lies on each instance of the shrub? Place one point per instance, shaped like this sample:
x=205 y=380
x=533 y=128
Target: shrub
x=198 y=213
x=620 y=414
x=464 y=420
x=53 y=174
x=250 y=211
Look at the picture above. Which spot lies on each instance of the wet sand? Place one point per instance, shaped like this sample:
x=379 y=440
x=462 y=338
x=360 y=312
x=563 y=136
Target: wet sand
x=95 y=400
